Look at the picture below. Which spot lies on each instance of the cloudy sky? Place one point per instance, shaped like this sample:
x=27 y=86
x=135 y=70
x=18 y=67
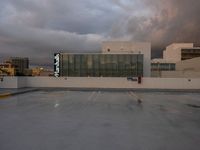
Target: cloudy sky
x=38 y=28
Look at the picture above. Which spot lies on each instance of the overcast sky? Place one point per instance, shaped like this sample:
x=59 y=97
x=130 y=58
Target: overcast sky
x=38 y=28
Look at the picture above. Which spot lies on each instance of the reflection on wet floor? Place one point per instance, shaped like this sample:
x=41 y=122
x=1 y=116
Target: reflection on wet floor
x=193 y=105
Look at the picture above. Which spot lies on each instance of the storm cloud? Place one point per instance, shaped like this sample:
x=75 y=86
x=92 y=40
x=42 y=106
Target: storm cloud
x=36 y=29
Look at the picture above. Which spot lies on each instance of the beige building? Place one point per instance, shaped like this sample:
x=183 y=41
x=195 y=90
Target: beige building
x=179 y=60
x=7 y=69
x=39 y=71
x=158 y=65
x=127 y=47
x=36 y=71
x=185 y=69
x=189 y=65
x=47 y=72
x=181 y=51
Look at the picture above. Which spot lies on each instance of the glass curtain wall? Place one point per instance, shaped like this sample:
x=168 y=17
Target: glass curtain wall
x=97 y=65
x=163 y=66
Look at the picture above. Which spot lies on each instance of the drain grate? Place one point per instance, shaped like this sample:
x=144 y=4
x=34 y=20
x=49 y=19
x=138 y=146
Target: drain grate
x=193 y=105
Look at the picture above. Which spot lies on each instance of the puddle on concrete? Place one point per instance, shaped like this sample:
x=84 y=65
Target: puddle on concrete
x=193 y=105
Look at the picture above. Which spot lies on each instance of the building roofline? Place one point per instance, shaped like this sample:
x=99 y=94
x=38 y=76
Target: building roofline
x=101 y=53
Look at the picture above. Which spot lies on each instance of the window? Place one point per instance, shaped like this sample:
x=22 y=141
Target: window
x=106 y=65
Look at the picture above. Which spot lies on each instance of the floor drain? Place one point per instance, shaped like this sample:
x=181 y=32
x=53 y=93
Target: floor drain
x=194 y=106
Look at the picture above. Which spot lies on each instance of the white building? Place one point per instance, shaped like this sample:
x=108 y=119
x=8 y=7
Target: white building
x=127 y=47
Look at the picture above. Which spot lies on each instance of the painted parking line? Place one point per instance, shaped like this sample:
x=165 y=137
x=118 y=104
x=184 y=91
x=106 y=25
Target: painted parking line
x=134 y=95
x=4 y=95
x=139 y=100
x=7 y=94
x=96 y=96
x=91 y=96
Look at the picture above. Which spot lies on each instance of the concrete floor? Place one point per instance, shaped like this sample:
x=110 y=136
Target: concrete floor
x=99 y=120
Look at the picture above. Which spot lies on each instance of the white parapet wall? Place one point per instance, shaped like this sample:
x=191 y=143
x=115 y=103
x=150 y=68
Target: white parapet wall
x=8 y=82
x=93 y=82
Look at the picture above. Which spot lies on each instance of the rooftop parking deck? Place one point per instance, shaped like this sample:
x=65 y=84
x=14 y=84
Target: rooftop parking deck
x=100 y=120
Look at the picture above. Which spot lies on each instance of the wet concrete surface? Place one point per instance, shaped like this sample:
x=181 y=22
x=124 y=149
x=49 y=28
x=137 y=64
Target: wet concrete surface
x=16 y=91
x=100 y=120
x=2 y=90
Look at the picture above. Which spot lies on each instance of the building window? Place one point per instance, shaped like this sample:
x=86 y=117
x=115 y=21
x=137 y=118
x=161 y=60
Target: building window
x=106 y=65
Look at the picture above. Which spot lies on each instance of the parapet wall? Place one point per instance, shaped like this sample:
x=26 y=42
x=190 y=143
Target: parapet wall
x=8 y=82
x=93 y=82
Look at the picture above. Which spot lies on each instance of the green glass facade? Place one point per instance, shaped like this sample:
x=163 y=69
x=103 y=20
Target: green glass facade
x=163 y=66
x=97 y=65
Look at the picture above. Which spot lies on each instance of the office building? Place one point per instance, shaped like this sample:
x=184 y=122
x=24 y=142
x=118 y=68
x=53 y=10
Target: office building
x=105 y=65
x=118 y=59
x=181 y=51
x=179 y=60
x=189 y=68
x=189 y=65
x=126 y=47
x=21 y=65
